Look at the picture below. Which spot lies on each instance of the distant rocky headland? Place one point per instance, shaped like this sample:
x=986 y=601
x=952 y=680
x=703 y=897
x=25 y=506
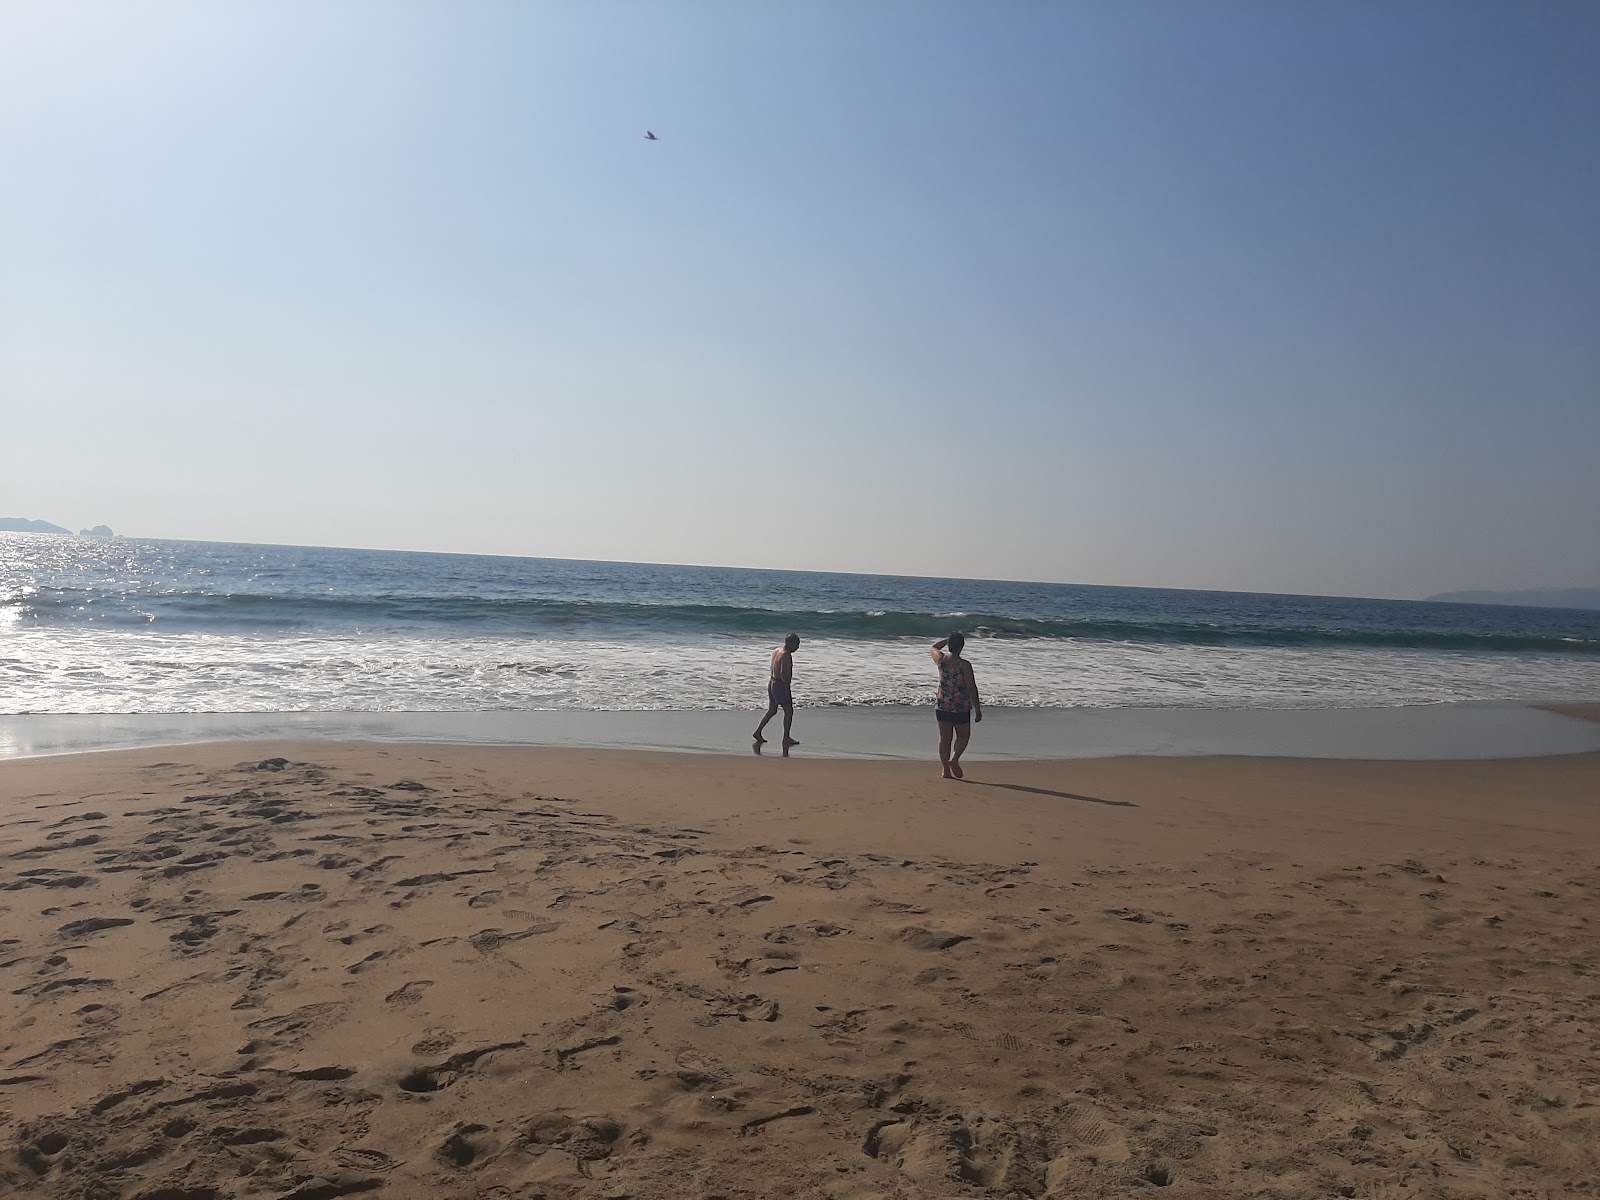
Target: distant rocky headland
x=1529 y=598
x=24 y=525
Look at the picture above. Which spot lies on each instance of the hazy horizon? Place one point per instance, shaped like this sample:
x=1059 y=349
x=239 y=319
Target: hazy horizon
x=1232 y=297
x=736 y=566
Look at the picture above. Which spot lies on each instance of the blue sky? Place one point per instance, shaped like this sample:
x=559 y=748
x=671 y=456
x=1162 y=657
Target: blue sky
x=1291 y=297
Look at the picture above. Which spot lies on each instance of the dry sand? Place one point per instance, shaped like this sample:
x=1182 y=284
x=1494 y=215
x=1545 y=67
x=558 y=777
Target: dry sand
x=317 y=970
x=1586 y=712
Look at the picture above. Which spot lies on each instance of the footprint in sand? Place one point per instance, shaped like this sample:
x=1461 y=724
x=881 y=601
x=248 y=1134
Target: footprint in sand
x=88 y=925
x=373 y=959
x=1085 y=1135
x=929 y=1152
x=434 y=1042
x=358 y=1158
x=292 y=1027
x=408 y=993
x=200 y=929
x=466 y=1145
x=48 y=878
x=929 y=939
x=585 y=1138
x=1010 y=1043
x=98 y=1014
x=756 y=1008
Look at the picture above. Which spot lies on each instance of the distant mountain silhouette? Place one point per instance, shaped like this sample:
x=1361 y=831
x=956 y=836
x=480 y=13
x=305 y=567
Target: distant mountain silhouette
x=1530 y=598
x=23 y=525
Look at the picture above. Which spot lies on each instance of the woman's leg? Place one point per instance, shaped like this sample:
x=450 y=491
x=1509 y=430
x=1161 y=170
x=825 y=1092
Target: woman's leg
x=945 y=731
x=963 y=736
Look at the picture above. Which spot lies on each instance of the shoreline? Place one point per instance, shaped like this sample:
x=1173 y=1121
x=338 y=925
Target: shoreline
x=1438 y=732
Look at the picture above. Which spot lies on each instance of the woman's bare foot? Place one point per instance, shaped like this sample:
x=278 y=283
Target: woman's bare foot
x=955 y=769
x=947 y=774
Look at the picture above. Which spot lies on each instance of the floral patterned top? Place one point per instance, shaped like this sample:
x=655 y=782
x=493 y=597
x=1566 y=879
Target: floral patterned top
x=952 y=686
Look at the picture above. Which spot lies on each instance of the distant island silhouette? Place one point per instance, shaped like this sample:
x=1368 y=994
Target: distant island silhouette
x=1528 y=598
x=24 y=525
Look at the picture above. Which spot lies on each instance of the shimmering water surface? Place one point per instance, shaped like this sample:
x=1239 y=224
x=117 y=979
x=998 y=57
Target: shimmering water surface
x=157 y=626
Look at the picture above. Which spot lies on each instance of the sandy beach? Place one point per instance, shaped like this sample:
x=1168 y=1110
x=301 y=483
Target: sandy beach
x=506 y=507
x=320 y=969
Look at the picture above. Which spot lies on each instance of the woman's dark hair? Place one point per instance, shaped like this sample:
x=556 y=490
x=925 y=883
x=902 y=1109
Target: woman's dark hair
x=956 y=642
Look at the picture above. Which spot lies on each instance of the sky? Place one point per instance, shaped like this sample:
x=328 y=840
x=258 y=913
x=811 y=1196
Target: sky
x=1240 y=295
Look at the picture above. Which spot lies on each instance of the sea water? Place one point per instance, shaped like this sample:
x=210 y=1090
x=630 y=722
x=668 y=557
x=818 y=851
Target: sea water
x=136 y=626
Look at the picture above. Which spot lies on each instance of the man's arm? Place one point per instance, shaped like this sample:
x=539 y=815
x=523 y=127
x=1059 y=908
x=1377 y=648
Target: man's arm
x=786 y=668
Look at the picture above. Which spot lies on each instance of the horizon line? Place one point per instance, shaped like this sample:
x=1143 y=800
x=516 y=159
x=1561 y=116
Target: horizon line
x=812 y=571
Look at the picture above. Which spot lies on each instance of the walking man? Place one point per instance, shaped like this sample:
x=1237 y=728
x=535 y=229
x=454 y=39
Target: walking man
x=778 y=692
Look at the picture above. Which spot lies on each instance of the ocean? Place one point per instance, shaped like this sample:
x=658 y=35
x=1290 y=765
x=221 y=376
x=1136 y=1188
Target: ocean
x=137 y=626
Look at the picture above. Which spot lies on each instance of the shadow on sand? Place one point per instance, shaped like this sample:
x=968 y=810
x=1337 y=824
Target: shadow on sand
x=1019 y=787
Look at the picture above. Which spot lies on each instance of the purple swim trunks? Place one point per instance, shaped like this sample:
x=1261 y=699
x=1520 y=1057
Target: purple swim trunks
x=778 y=695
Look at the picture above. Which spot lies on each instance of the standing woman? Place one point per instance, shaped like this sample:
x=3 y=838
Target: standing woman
x=958 y=704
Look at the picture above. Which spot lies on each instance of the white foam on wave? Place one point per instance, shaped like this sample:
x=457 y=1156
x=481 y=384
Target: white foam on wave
x=103 y=671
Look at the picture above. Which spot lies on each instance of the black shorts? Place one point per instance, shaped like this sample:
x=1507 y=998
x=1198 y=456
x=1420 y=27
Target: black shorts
x=953 y=718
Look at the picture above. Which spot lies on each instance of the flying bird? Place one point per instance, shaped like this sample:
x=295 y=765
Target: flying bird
x=650 y=136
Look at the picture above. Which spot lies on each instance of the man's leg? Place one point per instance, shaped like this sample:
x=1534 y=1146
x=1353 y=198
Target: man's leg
x=944 y=748
x=772 y=711
x=963 y=736
x=788 y=723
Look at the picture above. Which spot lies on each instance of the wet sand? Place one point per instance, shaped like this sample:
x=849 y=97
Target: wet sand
x=1427 y=731
x=317 y=969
